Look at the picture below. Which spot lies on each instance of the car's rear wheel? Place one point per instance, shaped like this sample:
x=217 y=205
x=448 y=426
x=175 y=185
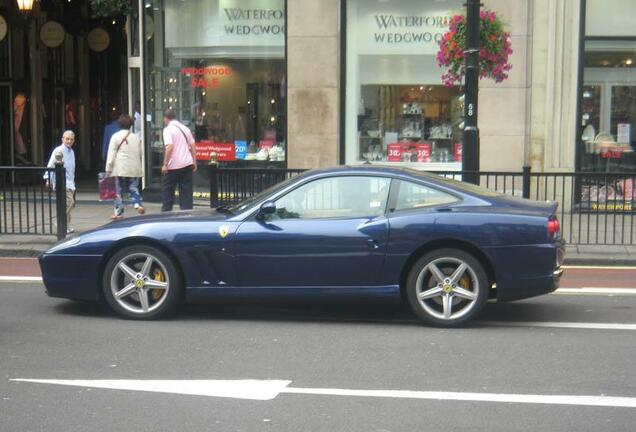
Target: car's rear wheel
x=141 y=282
x=447 y=287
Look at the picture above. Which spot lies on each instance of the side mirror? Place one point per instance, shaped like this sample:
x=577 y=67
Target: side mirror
x=267 y=208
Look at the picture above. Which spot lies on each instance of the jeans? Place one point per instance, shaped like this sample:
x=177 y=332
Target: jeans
x=181 y=178
x=130 y=184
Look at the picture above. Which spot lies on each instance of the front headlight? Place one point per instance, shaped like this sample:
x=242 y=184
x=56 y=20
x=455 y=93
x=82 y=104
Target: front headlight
x=63 y=244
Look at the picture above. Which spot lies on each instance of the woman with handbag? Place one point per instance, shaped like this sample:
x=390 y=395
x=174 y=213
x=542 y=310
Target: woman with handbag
x=124 y=161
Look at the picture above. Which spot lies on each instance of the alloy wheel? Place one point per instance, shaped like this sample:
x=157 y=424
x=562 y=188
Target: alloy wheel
x=447 y=288
x=140 y=283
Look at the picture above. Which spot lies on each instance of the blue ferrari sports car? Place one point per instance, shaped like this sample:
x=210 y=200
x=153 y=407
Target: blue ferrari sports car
x=446 y=247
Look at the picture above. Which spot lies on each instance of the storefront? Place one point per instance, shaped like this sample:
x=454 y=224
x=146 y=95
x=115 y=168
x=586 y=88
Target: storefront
x=397 y=110
x=607 y=100
x=59 y=69
x=225 y=76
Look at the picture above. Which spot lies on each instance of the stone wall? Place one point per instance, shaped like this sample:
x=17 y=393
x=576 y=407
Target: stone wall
x=313 y=65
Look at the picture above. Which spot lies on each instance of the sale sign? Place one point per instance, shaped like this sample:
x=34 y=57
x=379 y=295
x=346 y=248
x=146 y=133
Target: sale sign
x=241 y=148
x=457 y=152
x=394 y=152
x=224 y=151
x=423 y=152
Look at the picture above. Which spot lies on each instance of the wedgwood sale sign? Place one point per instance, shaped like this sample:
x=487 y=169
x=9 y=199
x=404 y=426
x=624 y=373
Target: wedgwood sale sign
x=405 y=27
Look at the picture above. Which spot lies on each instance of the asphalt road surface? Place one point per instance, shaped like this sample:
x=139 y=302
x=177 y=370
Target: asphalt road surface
x=328 y=365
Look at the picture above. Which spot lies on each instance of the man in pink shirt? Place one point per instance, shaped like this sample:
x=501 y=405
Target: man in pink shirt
x=179 y=162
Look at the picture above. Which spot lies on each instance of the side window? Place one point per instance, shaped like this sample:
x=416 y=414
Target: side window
x=413 y=195
x=335 y=197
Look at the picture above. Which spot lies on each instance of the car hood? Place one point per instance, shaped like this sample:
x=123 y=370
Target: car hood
x=207 y=214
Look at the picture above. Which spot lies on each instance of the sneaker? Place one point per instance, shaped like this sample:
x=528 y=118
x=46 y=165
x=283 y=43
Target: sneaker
x=70 y=231
x=141 y=210
x=116 y=217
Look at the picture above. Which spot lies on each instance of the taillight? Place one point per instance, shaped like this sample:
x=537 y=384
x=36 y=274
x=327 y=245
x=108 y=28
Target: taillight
x=553 y=227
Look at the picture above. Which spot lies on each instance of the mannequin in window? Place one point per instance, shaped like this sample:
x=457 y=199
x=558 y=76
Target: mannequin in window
x=589 y=133
x=19 y=105
x=240 y=133
x=216 y=122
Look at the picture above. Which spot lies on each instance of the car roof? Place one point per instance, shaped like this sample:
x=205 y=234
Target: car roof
x=367 y=169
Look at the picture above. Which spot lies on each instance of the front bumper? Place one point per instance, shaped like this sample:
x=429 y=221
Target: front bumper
x=74 y=277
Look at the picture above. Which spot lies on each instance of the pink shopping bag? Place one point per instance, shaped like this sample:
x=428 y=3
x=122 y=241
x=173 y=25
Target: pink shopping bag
x=107 y=186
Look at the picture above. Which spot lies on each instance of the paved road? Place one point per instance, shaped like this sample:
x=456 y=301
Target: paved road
x=361 y=345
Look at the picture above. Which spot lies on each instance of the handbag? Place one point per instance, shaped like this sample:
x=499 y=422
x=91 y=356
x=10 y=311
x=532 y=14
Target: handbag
x=107 y=186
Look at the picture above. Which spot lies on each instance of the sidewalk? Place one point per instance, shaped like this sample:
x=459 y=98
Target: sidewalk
x=91 y=213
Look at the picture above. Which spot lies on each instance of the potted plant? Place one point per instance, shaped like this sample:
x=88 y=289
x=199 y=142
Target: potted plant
x=495 y=49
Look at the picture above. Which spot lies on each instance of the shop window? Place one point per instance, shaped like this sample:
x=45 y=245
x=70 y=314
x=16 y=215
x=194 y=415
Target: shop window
x=397 y=110
x=608 y=106
x=224 y=76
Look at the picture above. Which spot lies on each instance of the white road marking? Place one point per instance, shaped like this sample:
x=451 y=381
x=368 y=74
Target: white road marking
x=556 y=324
x=596 y=291
x=598 y=267
x=20 y=279
x=237 y=389
x=270 y=389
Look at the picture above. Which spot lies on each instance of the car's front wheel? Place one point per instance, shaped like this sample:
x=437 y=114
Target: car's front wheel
x=447 y=287
x=141 y=282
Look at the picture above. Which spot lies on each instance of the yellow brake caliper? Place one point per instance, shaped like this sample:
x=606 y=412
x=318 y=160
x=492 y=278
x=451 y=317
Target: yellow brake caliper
x=464 y=282
x=159 y=277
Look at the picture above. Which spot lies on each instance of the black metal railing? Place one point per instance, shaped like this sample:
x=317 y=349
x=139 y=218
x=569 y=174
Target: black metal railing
x=594 y=208
x=233 y=185
x=28 y=205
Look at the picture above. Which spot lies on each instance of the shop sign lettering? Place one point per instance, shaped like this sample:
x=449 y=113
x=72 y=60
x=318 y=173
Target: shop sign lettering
x=208 y=77
x=391 y=29
x=247 y=18
x=225 y=152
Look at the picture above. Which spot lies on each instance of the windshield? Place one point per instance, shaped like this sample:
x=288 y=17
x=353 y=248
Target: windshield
x=243 y=205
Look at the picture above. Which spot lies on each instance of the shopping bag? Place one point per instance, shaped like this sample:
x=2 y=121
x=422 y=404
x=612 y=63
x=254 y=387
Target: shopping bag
x=107 y=186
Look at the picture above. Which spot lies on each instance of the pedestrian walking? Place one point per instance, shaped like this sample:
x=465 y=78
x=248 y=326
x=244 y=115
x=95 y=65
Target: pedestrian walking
x=179 y=162
x=109 y=130
x=68 y=158
x=124 y=162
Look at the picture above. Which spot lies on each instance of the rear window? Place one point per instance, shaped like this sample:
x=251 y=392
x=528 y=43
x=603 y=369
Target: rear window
x=455 y=184
x=412 y=195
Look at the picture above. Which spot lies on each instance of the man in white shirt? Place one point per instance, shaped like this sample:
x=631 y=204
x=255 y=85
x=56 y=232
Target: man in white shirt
x=68 y=157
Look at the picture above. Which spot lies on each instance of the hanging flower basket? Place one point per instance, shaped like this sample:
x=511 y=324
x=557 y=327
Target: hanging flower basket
x=109 y=8
x=495 y=49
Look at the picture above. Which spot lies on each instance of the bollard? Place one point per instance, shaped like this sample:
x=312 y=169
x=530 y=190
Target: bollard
x=526 y=182
x=60 y=196
x=214 y=185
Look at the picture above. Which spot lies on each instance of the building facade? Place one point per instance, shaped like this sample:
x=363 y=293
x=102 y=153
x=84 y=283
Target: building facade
x=314 y=83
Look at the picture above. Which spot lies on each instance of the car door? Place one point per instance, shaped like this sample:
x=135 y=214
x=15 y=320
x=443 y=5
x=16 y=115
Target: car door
x=329 y=232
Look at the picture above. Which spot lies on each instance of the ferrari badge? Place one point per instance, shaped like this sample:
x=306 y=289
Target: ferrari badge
x=224 y=230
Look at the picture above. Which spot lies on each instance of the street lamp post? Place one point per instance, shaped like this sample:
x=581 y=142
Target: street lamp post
x=470 y=148
x=25 y=6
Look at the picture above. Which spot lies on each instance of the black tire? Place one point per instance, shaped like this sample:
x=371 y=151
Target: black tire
x=437 y=310
x=159 y=302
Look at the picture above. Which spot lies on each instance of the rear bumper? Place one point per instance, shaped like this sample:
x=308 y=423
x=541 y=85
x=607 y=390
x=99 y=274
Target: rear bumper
x=537 y=270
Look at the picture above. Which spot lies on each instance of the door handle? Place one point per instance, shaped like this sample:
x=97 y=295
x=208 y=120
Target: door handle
x=373 y=243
